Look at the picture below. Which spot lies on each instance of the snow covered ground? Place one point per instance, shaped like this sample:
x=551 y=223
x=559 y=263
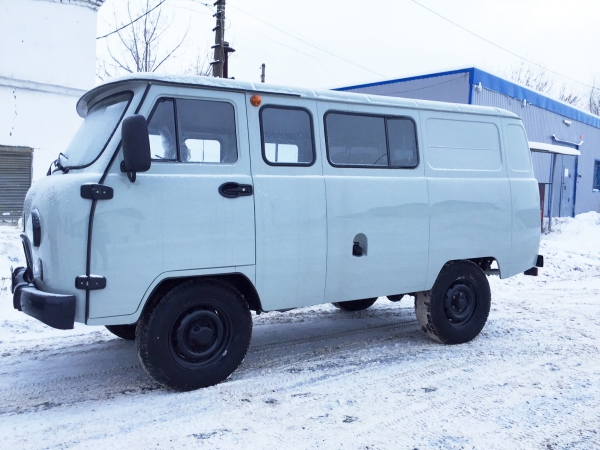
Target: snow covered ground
x=322 y=378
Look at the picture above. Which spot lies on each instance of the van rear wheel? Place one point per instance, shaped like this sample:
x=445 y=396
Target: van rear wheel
x=195 y=336
x=126 y=332
x=355 y=305
x=458 y=305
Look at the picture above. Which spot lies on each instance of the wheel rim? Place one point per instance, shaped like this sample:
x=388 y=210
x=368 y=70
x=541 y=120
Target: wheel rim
x=200 y=335
x=460 y=302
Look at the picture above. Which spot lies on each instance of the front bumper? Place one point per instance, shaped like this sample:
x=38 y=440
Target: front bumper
x=55 y=310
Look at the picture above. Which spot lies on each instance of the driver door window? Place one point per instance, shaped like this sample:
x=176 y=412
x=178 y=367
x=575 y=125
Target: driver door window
x=204 y=131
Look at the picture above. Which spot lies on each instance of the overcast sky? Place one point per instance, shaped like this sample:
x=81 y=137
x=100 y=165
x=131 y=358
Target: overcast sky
x=324 y=44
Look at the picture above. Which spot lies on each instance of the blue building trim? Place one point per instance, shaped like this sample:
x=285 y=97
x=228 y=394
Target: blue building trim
x=420 y=77
x=498 y=84
x=471 y=72
x=502 y=86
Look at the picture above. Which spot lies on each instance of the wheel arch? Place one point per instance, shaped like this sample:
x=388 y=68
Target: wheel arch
x=484 y=263
x=237 y=280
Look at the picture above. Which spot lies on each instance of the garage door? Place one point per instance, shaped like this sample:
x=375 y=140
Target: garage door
x=15 y=180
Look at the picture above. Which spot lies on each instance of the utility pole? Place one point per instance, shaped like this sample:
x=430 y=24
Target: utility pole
x=262 y=74
x=218 y=63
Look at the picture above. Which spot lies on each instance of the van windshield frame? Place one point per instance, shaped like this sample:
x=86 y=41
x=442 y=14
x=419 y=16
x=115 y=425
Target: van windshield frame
x=89 y=142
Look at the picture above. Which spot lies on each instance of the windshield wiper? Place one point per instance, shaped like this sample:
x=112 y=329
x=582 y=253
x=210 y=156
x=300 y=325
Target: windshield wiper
x=56 y=163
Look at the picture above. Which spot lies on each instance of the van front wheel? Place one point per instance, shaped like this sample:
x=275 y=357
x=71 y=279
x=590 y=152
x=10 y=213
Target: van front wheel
x=457 y=307
x=195 y=336
x=355 y=305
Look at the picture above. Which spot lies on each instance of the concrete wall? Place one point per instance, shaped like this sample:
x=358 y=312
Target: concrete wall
x=48 y=59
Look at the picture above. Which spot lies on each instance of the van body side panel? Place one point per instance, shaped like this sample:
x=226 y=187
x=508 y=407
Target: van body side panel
x=248 y=271
x=291 y=239
x=469 y=194
x=172 y=218
x=524 y=198
x=390 y=208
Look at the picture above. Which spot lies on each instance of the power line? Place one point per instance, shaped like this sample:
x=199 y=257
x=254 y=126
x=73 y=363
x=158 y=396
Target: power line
x=308 y=43
x=132 y=22
x=500 y=47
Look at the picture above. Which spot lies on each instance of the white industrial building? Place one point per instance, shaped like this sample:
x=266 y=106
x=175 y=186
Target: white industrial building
x=47 y=61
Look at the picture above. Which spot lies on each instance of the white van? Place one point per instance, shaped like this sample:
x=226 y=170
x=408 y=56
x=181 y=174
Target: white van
x=183 y=203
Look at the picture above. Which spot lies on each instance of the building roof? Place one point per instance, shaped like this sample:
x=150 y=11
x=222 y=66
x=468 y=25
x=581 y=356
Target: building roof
x=93 y=4
x=498 y=84
x=265 y=88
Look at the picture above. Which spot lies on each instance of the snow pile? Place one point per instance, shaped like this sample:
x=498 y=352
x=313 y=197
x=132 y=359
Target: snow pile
x=572 y=250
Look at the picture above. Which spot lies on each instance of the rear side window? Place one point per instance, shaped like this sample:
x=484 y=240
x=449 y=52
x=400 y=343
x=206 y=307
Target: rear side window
x=403 y=143
x=355 y=140
x=517 y=149
x=287 y=136
x=187 y=130
x=463 y=145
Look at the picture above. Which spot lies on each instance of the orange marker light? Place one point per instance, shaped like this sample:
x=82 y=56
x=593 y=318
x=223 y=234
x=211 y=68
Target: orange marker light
x=255 y=100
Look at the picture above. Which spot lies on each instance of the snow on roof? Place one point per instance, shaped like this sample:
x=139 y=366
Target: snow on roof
x=549 y=148
x=93 y=4
x=245 y=86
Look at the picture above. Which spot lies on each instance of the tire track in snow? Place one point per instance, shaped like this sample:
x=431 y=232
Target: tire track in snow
x=109 y=369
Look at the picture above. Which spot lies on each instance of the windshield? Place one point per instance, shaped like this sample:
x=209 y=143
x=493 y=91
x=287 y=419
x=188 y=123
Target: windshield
x=95 y=131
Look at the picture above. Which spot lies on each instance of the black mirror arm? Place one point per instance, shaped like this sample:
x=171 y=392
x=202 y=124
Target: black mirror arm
x=130 y=173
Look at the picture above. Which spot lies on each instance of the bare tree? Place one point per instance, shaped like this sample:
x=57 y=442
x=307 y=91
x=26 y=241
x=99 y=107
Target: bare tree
x=200 y=66
x=568 y=95
x=137 y=46
x=594 y=100
x=532 y=76
x=539 y=79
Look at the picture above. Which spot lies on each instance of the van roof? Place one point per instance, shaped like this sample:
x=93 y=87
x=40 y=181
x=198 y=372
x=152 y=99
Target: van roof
x=245 y=86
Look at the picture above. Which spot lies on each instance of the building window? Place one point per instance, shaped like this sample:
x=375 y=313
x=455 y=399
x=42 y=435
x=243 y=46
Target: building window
x=596 y=187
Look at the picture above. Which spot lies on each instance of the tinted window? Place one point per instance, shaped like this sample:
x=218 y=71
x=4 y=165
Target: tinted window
x=204 y=131
x=287 y=136
x=403 y=143
x=354 y=140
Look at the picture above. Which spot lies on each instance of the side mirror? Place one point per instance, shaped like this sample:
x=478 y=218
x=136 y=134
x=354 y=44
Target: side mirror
x=135 y=142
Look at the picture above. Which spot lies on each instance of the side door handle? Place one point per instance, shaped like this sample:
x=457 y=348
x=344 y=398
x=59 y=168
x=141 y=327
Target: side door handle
x=233 y=190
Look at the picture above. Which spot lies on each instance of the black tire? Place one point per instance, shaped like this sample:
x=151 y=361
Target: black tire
x=195 y=336
x=457 y=307
x=126 y=332
x=355 y=305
